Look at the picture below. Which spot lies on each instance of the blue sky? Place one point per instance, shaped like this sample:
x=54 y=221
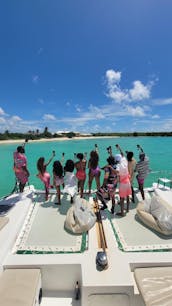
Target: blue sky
x=87 y=66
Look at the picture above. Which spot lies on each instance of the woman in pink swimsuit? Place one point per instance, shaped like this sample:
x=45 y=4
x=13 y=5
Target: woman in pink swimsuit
x=94 y=170
x=20 y=167
x=124 y=180
x=80 y=172
x=43 y=174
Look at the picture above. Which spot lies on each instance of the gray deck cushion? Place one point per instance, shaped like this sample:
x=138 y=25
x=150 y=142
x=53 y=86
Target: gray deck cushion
x=18 y=287
x=155 y=285
x=3 y=221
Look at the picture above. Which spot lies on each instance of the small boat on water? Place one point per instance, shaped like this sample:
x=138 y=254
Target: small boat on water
x=119 y=261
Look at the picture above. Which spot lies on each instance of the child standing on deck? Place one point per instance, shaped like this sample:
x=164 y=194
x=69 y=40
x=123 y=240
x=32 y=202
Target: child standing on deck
x=58 y=179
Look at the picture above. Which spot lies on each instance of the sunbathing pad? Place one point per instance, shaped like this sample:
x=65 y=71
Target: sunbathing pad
x=133 y=236
x=43 y=231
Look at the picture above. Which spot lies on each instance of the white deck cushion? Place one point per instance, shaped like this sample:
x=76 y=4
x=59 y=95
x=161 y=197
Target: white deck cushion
x=155 y=285
x=148 y=219
x=18 y=287
x=166 y=195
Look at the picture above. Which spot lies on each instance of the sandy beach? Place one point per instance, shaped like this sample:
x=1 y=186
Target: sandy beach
x=19 y=141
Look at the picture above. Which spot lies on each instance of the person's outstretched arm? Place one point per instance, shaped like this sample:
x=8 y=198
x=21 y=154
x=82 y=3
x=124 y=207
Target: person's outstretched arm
x=140 y=148
x=53 y=154
x=120 y=150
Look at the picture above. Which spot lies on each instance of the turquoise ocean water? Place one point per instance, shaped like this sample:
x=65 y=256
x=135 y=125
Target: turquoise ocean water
x=159 y=150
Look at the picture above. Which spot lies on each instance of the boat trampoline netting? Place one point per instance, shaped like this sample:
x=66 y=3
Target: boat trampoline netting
x=43 y=231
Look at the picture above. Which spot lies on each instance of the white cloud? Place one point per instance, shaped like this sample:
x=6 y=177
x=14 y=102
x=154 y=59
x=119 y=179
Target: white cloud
x=138 y=92
x=162 y=101
x=99 y=116
x=2 y=113
x=117 y=95
x=136 y=111
x=49 y=117
x=78 y=109
x=41 y=101
x=2 y=120
x=16 y=118
x=113 y=77
x=155 y=117
x=35 y=79
x=124 y=103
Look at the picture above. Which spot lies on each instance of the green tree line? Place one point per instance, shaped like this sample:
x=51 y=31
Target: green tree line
x=36 y=135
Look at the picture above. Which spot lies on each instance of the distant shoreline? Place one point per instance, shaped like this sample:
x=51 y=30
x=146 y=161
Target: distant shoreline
x=19 y=141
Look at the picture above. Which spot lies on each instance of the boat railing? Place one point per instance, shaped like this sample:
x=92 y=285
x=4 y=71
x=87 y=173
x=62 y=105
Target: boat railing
x=155 y=175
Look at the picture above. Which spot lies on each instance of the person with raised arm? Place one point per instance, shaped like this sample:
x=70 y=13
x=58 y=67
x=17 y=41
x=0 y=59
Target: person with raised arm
x=109 y=184
x=94 y=169
x=43 y=175
x=124 y=180
x=80 y=166
x=142 y=169
x=131 y=169
x=70 y=180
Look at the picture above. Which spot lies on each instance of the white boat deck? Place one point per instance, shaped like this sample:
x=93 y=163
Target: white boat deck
x=60 y=271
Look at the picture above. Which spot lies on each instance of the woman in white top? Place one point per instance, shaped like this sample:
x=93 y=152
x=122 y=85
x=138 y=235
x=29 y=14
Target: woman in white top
x=70 y=180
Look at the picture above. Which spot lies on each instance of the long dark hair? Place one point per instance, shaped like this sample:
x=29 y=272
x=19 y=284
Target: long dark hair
x=94 y=159
x=40 y=165
x=69 y=166
x=129 y=156
x=57 y=168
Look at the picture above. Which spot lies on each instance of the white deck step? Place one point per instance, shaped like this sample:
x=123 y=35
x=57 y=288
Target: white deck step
x=94 y=300
x=59 y=301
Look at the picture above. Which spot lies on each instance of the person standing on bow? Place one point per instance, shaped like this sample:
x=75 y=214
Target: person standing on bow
x=94 y=169
x=124 y=180
x=70 y=180
x=109 y=183
x=142 y=169
x=131 y=170
x=43 y=174
x=20 y=167
x=80 y=172
x=58 y=179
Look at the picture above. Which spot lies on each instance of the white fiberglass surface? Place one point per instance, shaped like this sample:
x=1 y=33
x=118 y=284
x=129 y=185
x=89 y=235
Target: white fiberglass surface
x=108 y=300
x=44 y=228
